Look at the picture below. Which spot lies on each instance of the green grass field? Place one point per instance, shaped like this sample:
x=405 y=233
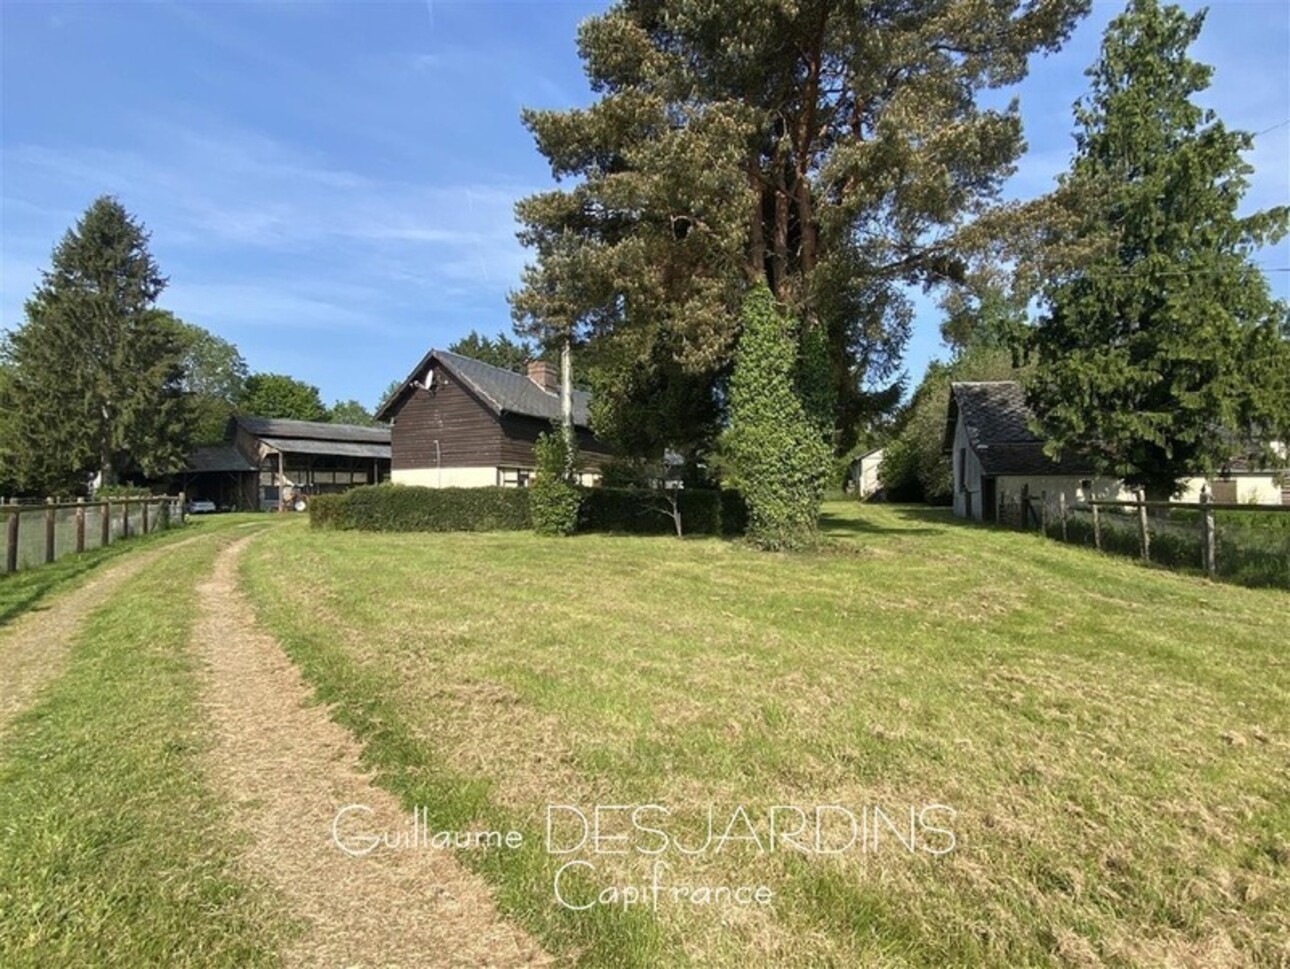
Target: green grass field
x=1114 y=740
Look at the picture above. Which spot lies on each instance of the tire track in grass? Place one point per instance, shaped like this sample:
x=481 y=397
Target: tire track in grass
x=114 y=852
x=288 y=770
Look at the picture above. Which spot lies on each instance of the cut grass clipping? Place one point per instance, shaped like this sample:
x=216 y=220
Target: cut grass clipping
x=1113 y=739
x=112 y=850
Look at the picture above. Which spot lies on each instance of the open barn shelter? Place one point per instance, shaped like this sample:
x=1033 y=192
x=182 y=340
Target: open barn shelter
x=266 y=463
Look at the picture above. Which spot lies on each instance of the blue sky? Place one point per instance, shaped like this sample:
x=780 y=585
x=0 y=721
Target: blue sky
x=330 y=186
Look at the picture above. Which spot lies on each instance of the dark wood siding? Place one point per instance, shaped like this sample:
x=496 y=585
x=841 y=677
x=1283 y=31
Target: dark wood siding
x=469 y=435
x=520 y=433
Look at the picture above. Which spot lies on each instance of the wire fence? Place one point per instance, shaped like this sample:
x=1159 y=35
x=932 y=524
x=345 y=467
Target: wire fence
x=1247 y=544
x=37 y=533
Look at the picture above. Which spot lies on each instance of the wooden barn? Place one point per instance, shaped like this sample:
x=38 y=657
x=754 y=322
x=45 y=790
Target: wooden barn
x=267 y=463
x=460 y=423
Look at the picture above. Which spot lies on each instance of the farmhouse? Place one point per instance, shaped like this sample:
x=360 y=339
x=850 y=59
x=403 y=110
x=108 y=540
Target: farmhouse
x=266 y=462
x=460 y=423
x=994 y=452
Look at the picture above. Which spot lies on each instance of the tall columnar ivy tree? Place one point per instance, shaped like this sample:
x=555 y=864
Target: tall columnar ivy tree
x=775 y=447
x=97 y=373
x=834 y=150
x=1162 y=355
x=554 y=500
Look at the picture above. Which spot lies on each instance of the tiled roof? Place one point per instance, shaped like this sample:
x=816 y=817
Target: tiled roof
x=997 y=422
x=313 y=430
x=504 y=391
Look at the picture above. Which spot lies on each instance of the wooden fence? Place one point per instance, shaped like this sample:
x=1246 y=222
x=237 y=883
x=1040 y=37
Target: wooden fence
x=39 y=533
x=1148 y=520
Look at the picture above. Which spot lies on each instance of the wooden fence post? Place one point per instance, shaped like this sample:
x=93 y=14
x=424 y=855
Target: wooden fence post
x=1207 y=533
x=80 y=524
x=999 y=506
x=1144 y=533
x=1043 y=512
x=1025 y=506
x=105 y=524
x=183 y=507
x=50 y=525
x=125 y=517
x=145 y=515
x=11 y=545
x=1061 y=510
x=1097 y=526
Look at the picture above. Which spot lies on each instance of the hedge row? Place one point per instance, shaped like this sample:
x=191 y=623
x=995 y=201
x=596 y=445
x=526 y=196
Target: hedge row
x=399 y=508
x=402 y=508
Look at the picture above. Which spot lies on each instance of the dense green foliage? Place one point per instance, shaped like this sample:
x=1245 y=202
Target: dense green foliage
x=775 y=450
x=915 y=466
x=555 y=498
x=400 y=508
x=500 y=351
x=1162 y=355
x=95 y=372
x=350 y=412
x=836 y=151
x=280 y=396
x=214 y=379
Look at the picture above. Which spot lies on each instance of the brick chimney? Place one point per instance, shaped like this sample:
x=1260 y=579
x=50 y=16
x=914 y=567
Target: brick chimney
x=545 y=375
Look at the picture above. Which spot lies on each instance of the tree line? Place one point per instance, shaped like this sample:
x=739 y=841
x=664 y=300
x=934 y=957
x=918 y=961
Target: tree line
x=836 y=153
x=99 y=382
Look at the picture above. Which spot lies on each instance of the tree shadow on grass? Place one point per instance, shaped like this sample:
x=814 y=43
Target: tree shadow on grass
x=23 y=591
x=837 y=524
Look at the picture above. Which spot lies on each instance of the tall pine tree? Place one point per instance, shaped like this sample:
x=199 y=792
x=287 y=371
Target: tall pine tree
x=1163 y=355
x=97 y=373
x=835 y=150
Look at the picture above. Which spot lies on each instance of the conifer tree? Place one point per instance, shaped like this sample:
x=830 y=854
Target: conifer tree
x=96 y=372
x=1162 y=355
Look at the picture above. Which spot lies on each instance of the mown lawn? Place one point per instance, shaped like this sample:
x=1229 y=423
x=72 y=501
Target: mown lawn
x=114 y=851
x=1114 y=740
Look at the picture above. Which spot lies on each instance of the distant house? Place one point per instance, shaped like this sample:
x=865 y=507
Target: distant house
x=460 y=423
x=266 y=462
x=863 y=480
x=994 y=452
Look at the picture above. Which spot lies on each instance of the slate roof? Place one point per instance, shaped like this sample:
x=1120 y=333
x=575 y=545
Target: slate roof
x=997 y=422
x=218 y=457
x=503 y=391
x=313 y=430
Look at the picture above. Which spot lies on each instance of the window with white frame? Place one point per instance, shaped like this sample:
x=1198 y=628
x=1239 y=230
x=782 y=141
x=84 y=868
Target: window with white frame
x=514 y=477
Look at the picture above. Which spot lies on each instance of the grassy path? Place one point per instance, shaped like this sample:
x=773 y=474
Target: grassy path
x=34 y=647
x=286 y=769
x=113 y=849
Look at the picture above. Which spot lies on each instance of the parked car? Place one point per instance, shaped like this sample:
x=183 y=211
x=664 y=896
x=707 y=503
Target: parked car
x=201 y=506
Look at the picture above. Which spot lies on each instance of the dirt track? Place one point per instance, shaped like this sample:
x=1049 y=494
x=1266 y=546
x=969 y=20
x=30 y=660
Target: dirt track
x=286 y=770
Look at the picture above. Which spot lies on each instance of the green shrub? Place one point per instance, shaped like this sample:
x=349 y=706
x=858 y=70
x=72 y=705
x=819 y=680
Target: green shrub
x=325 y=511
x=641 y=511
x=555 y=499
x=402 y=508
